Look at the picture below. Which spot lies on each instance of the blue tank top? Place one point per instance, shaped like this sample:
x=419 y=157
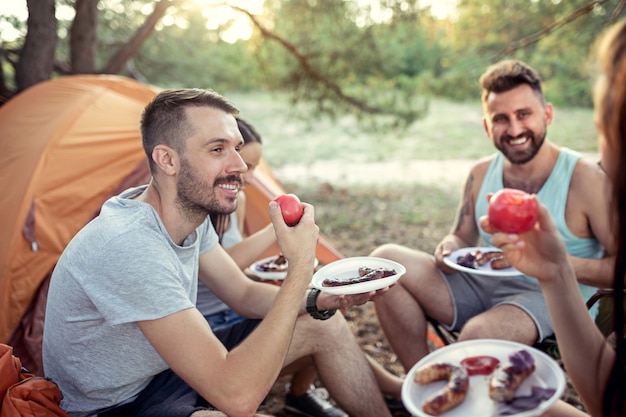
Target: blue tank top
x=553 y=194
x=207 y=302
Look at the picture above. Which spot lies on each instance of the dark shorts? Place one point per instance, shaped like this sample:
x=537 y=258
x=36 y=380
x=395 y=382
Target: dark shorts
x=474 y=294
x=169 y=396
x=223 y=319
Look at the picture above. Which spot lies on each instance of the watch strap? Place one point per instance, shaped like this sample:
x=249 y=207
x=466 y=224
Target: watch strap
x=311 y=306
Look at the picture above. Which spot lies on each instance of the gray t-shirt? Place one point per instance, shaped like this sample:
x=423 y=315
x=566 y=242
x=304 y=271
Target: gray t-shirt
x=120 y=268
x=209 y=303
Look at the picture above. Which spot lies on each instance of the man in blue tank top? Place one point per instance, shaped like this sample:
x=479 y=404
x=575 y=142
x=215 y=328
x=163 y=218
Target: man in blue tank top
x=576 y=192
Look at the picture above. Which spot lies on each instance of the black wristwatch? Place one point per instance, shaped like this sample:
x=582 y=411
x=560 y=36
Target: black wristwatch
x=311 y=306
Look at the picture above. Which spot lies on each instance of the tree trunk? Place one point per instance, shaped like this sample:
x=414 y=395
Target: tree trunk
x=83 y=41
x=37 y=57
x=119 y=60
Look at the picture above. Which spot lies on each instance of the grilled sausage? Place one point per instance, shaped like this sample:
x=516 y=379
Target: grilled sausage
x=484 y=257
x=500 y=262
x=365 y=274
x=451 y=395
x=508 y=377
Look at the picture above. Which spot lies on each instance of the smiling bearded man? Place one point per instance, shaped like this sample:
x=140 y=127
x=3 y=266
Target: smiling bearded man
x=575 y=191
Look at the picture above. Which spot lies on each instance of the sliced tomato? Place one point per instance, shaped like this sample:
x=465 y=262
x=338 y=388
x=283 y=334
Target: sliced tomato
x=480 y=365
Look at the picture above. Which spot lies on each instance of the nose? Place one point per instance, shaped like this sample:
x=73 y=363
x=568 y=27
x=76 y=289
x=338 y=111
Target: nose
x=515 y=127
x=237 y=163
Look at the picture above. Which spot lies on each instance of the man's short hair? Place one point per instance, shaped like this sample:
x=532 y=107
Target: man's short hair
x=508 y=74
x=164 y=119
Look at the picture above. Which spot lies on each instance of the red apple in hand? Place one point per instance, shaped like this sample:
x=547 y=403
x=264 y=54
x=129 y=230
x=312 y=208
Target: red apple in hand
x=290 y=207
x=513 y=211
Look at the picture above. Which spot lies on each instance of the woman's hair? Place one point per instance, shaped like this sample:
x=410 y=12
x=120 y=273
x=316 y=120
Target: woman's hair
x=611 y=111
x=221 y=222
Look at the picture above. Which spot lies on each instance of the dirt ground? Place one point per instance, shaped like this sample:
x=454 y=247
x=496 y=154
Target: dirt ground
x=387 y=221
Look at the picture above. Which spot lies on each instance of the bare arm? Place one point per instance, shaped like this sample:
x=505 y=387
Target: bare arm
x=464 y=231
x=186 y=343
x=250 y=248
x=588 y=216
x=541 y=253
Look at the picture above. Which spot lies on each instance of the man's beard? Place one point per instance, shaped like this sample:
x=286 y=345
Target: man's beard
x=196 y=197
x=521 y=157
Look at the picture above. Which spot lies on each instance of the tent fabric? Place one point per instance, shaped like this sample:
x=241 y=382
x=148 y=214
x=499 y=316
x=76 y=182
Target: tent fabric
x=67 y=145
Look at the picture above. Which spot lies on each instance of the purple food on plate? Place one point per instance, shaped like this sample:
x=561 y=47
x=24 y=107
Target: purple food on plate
x=468 y=261
x=276 y=264
x=510 y=375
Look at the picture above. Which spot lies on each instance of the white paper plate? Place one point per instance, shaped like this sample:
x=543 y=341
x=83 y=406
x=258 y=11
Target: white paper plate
x=275 y=275
x=349 y=268
x=451 y=261
x=548 y=374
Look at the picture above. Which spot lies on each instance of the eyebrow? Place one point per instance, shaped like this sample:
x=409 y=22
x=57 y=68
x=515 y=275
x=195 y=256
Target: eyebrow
x=213 y=141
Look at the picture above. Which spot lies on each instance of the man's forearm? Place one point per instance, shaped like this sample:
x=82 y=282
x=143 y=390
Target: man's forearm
x=594 y=272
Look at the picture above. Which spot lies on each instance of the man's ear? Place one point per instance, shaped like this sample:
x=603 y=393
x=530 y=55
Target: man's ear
x=166 y=159
x=549 y=113
x=485 y=125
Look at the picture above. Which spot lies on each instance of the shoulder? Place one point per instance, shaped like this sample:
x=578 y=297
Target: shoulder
x=478 y=171
x=587 y=173
x=482 y=165
x=589 y=182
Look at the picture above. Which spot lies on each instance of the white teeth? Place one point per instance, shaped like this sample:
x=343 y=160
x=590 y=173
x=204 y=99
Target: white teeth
x=229 y=186
x=518 y=141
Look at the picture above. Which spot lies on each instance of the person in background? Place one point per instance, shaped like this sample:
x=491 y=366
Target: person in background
x=575 y=190
x=302 y=396
x=595 y=365
x=122 y=335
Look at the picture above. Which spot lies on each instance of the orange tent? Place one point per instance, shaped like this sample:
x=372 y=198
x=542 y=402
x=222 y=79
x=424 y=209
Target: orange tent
x=67 y=145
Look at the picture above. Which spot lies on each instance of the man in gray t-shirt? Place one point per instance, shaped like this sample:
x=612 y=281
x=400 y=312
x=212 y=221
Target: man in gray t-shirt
x=122 y=335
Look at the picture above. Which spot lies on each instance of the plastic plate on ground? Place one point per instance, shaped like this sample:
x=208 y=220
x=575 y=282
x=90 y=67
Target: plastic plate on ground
x=451 y=261
x=547 y=375
x=264 y=270
x=348 y=268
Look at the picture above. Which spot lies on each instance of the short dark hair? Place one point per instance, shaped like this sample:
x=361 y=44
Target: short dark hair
x=508 y=74
x=164 y=119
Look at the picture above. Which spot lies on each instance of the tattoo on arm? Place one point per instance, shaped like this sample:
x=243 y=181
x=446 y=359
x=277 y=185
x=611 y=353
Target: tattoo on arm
x=465 y=208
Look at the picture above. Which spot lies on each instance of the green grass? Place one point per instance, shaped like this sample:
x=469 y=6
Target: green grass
x=358 y=219
x=449 y=131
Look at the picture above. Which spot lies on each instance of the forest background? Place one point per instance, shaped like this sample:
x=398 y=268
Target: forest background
x=315 y=76
x=335 y=87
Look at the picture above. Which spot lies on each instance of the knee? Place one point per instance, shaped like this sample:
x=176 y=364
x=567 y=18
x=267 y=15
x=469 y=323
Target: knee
x=387 y=251
x=474 y=329
x=334 y=329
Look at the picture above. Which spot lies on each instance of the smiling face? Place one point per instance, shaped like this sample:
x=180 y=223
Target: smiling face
x=211 y=167
x=516 y=121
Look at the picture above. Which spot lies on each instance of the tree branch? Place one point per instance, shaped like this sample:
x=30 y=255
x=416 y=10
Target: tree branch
x=130 y=48
x=310 y=71
x=618 y=11
x=535 y=37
